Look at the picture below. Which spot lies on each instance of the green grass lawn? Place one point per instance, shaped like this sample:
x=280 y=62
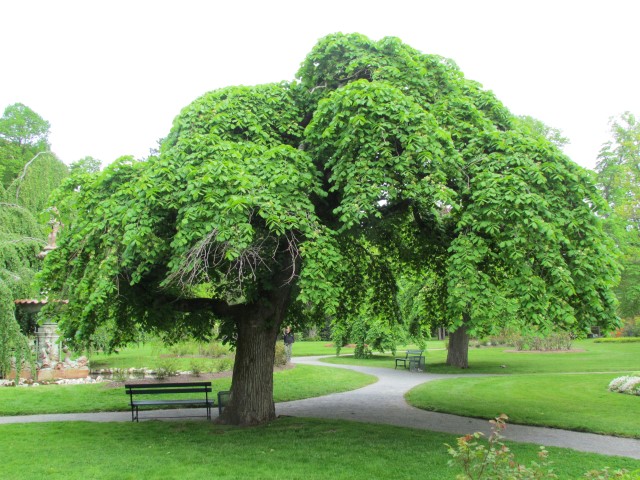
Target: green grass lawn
x=303 y=381
x=289 y=448
x=573 y=402
x=588 y=357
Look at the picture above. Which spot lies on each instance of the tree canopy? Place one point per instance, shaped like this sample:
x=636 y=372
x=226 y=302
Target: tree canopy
x=306 y=199
x=619 y=178
x=23 y=134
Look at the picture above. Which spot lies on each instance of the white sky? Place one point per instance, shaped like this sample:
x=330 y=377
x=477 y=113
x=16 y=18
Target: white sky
x=110 y=76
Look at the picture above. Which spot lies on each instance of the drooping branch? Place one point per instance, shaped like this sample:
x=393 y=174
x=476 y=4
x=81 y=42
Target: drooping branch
x=20 y=179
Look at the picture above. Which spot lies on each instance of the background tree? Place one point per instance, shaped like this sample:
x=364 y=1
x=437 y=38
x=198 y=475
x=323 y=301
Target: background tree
x=86 y=164
x=310 y=197
x=23 y=134
x=534 y=125
x=492 y=206
x=619 y=179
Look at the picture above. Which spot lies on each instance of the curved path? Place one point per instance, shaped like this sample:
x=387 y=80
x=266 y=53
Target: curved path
x=383 y=402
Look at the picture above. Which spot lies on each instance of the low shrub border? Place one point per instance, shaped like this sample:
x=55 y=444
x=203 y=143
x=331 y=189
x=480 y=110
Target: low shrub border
x=617 y=340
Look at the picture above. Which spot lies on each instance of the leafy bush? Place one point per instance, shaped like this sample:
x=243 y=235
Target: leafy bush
x=281 y=356
x=224 y=364
x=493 y=459
x=532 y=341
x=204 y=349
x=166 y=368
x=213 y=349
x=362 y=351
x=196 y=367
x=555 y=341
x=182 y=349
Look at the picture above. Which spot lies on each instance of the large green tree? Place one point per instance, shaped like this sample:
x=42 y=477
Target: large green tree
x=309 y=198
x=619 y=178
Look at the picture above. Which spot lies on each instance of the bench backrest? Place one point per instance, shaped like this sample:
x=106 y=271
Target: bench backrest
x=154 y=388
x=414 y=353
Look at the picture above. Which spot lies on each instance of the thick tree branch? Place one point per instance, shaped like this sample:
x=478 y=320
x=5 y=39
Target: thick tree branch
x=216 y=306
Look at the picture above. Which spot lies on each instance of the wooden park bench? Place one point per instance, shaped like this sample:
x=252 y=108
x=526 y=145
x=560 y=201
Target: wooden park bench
x=413 y=360
x=134 y=389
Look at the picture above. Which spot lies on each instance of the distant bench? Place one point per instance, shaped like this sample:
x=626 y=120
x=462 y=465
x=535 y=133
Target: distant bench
x=204 y=388
x=413 y=360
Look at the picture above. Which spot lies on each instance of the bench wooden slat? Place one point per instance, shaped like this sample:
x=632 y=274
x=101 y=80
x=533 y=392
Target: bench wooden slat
x=173 y=402
x=155 y=391
x=167 y=385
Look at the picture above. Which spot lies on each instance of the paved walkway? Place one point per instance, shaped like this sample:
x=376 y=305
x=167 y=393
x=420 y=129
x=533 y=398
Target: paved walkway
x=383 y=402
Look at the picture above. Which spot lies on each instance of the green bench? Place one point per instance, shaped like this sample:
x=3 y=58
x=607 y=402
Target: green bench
x=413 y=360
x=135 y=389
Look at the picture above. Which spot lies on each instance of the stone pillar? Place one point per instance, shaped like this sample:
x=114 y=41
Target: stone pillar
x=47 y=343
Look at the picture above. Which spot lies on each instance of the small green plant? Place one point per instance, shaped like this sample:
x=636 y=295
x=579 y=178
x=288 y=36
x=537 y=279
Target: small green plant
x=606 y=474
x=212 y=349
x=224 y=364
x=493 y=459
x=166 y=368
x=182 y=349
x=119 y=374
x=196 y=367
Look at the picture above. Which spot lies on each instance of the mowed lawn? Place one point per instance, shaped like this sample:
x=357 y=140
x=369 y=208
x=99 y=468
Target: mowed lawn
x=289 y=448
x=575 y=402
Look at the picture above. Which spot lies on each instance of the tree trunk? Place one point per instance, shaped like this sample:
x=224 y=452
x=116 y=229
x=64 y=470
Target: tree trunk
x=458 y=354
x=258 y=327
x=251 y=400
